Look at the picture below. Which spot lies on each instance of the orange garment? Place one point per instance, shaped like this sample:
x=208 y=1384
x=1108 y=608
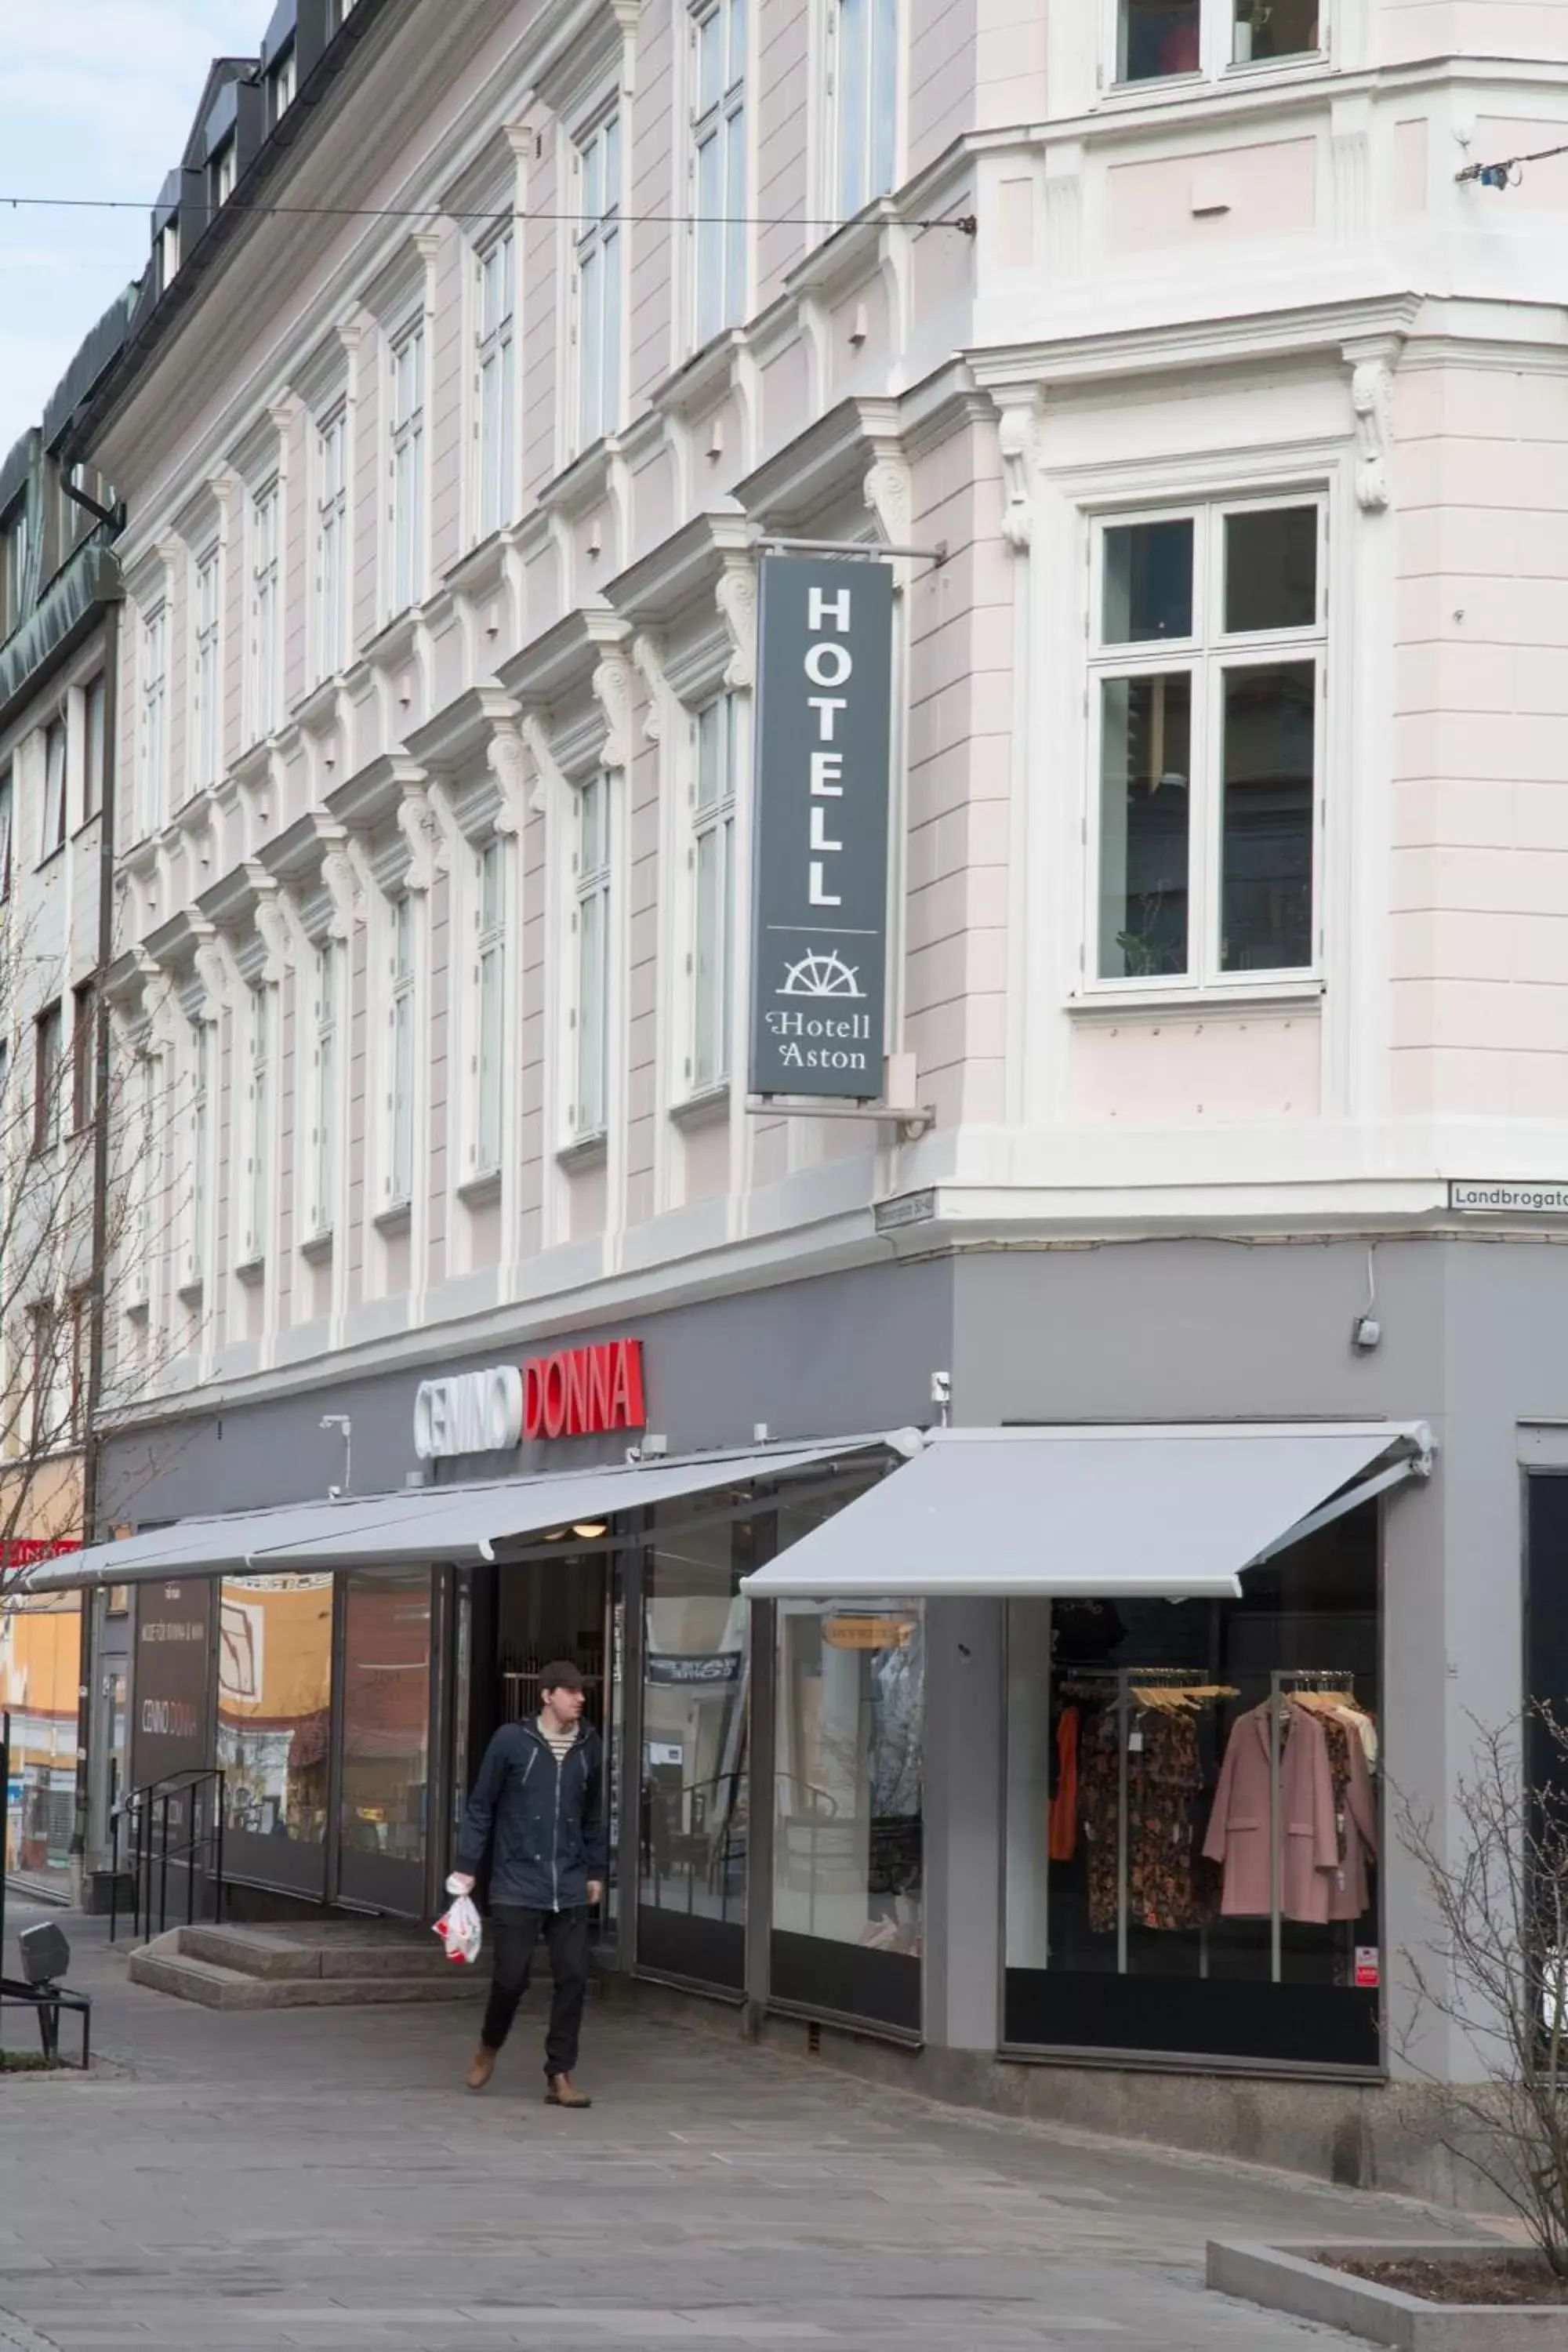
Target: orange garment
x=1063 y=1840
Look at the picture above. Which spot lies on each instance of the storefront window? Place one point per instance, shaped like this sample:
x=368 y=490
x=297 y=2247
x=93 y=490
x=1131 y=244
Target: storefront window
x=1193 y=1817
x=383 y=1815
x=695 y=1664
x=274 y=1713
x=848 y=1924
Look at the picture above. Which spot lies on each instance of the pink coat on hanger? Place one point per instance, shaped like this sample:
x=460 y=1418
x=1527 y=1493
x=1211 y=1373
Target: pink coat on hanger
x=1312 y=1886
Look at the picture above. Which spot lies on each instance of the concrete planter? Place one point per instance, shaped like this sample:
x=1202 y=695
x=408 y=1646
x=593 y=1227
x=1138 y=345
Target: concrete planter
x=1292 y=2278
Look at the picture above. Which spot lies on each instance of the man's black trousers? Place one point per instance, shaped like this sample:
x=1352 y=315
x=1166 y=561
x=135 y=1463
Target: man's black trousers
x=516 y=1931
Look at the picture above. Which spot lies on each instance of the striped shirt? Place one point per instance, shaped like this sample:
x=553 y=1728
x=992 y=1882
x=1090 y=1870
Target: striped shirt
x=560 y=1743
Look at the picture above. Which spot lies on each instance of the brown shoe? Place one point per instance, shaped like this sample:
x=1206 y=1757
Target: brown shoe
x=559 y=2093
x=481 y=2067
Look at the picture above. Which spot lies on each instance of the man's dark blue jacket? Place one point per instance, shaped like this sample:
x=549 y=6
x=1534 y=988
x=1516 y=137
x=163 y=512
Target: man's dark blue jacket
x=547 y=1819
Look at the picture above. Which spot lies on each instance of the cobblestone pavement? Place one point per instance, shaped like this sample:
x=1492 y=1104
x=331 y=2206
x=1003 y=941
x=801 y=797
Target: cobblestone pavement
x=319 y=2178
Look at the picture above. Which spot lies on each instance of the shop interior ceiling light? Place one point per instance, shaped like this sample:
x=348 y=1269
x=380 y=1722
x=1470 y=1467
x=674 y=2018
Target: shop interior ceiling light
x=588 y=1528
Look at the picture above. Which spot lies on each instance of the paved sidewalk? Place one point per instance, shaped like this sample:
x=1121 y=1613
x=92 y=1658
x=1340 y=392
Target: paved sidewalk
x=246 y=2181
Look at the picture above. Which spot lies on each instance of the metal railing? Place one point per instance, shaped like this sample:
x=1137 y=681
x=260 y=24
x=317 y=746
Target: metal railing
x=180 y=1821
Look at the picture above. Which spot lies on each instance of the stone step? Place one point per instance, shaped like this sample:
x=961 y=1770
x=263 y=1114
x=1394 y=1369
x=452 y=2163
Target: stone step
x=167 y=1965
x=283 y=1952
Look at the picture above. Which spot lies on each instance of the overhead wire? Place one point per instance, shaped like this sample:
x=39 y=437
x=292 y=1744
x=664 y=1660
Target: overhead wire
x=1509 y=170
x=964 y=222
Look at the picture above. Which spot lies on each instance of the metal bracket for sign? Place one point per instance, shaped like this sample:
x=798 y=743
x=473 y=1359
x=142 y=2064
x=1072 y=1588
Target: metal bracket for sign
x=911 y=1124
x=869 y=549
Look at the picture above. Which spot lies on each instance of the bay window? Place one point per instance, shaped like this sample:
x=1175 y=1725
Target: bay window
x=1157 y=40
x=1206 y=663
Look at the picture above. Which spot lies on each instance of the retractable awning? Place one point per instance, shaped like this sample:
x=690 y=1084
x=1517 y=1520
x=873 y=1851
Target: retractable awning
x=444 y=1523
x=1139 y=1512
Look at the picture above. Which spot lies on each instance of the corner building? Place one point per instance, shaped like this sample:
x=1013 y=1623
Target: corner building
x=1167 y=1380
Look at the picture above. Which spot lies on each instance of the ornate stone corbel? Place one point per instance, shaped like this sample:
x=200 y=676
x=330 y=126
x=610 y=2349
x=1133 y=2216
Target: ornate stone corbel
x=218 y=977
x=888 y=493
x=344 y=890
x=504 y=758
x=1017 y=435
x=736 y=598
x=613 y=693
x=167 y=1028
x=547 y=777
x=277 y=927
x=421 y=829
x=1372 y=398
x=648 y=658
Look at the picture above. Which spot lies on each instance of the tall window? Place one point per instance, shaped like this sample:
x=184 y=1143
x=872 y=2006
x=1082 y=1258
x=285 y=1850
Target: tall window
x=324 y=1095
x=591 y=919
x=1207 y=661
x=1159 y=39
x=712 y=859
x=865 y=66
x=258 y=1135
x=399 y=1180
x=5 y=814
x=201 y=1145
x=154 y=715
x=332 y=541
x=48 y=1076
x=54 y=834
x=15 y=545
x=283 y=83
x=224 y=171
x=598 y=254
x=84 y=1054
x=408 y=469
x=95 y=749
x=207 y=689
x=718 y=164
x=497 y=380
x=487 y=1067
x=265 y=613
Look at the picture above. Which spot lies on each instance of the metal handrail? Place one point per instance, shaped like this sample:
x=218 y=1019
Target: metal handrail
x=147 y=1809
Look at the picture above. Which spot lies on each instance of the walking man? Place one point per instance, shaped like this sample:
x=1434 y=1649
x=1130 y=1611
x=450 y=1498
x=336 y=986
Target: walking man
x=539 y=1803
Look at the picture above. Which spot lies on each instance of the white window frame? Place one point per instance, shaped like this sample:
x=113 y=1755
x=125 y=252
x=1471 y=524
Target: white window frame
x=284 y=84
x=594 y=903
x=7 y=828
x=598 y=276
x=204 y=1045
x=1218 y=51
x=326 y=1056
x=259 y=1062
x=489 y=1058
x=495 y=383
x=226 y=172
x=402 y=1054
x=1209 y=653
x=206 y=671
x=153 y=667
x=718 y=164
x=717 y=748
x=333 y=547
x=168 y=254
x=266 y=609
x=56 y=771
x=407 y=360
x=94 y=745
x=865 y=86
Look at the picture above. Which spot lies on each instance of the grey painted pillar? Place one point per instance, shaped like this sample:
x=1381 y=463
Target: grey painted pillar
x=964 y=1840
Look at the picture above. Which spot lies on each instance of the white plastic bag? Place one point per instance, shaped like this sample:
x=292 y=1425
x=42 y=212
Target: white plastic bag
x=460 y=1931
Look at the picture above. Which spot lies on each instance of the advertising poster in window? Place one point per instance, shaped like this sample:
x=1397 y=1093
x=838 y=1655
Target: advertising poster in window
x=824 y=743
x=171 y=1718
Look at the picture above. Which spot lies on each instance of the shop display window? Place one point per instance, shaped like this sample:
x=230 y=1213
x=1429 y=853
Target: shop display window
x=384 y=1806
x=274 y=1720
x=1193 y=1816
x=849 y=1918
x=692 y=1836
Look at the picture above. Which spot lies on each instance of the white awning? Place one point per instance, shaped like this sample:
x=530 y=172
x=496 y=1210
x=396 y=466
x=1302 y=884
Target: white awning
x=435 y=1523
x=1165 y=1513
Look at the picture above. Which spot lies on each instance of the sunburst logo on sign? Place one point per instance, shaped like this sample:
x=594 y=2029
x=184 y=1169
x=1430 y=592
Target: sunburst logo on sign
x=821 y=976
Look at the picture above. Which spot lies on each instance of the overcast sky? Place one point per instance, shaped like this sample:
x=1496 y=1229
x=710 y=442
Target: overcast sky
x=96 y=100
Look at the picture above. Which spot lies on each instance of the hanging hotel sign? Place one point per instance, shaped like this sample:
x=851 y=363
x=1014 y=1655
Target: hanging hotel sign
x=574 y=1394
x=819 y=897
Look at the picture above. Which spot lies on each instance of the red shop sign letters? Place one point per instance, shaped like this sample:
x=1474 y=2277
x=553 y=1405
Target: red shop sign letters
x=582 y=1390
